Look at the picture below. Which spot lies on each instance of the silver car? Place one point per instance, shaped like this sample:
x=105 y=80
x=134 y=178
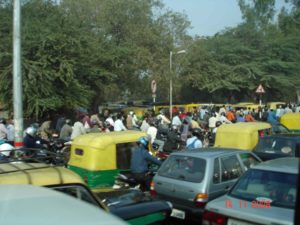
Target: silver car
x=266 y=194
x=191 y=178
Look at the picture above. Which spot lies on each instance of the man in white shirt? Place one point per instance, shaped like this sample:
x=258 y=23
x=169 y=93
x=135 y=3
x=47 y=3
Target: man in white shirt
x=176 y=121
x=119 y=126
x=152 y=131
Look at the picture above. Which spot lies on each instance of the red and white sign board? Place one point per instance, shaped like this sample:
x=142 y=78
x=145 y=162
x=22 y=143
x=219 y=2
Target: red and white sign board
x=153 y=86
x=260 y=89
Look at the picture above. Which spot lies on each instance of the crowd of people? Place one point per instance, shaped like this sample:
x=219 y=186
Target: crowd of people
x=186 y=128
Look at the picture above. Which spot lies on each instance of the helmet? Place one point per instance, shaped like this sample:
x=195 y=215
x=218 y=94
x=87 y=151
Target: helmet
x=218 y=123
x=144 y=141
x=31 y=131
x=197 y=132
x=6 y=148
x=68 y=121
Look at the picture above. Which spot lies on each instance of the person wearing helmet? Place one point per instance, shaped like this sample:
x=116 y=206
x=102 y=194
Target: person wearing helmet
x=5 y=150
x=31 y=140
x=140 y=160
x=195 y=141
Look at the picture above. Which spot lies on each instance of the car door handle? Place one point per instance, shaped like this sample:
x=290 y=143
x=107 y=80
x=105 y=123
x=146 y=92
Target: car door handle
x=159 y=183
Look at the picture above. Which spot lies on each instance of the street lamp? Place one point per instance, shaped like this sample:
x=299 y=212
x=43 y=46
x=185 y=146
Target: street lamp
x=171 y=81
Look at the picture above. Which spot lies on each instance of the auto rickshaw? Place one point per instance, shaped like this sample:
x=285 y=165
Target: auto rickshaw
x=274 y=105
x=99 y=157
x=291 y=121
x=241 y=135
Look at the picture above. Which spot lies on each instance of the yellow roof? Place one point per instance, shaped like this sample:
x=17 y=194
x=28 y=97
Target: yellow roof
x=291 y=121
x=101 y=140
x=243 y=127
x=36 y=174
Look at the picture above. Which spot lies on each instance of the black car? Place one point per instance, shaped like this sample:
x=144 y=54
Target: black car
x=278 y=145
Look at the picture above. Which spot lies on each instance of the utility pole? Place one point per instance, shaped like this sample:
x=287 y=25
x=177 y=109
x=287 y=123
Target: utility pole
x=17 y=75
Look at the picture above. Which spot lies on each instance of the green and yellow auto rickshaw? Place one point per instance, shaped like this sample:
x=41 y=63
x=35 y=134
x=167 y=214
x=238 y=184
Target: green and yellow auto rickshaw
x=242 y=136
x=291 y=121
x=99 y=157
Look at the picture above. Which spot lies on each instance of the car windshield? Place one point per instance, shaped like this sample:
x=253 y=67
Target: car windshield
x=279 y=189
x=276 y=146
x=183 y=168
x=280 y=129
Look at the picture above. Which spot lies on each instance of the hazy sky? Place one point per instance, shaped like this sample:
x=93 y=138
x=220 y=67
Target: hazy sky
x=209 y=16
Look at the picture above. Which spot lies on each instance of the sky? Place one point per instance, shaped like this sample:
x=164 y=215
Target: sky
x=209 y=16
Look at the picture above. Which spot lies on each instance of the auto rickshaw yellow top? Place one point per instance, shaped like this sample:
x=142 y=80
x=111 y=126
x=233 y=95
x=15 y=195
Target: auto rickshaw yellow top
x=274 y=105
x=291 y=121
x=240 y=135
x=36 y=174
x=98 y=151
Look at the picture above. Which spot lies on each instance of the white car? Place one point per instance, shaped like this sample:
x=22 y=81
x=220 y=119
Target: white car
x=265 y=194
x=26 y=204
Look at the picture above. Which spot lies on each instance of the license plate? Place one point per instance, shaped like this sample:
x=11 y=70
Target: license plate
x=178 y=214
x=237 y=222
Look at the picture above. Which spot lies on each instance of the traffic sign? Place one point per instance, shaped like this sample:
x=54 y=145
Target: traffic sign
x=153 y=86
x=260 y=89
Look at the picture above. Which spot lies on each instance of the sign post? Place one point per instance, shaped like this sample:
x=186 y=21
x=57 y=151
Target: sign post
x=153 y=89
x=260 y=91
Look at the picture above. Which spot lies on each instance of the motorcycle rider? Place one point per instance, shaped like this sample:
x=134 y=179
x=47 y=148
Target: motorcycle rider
x=173 y=140
x=139 y=163
x=31 y=140
x=195 y=140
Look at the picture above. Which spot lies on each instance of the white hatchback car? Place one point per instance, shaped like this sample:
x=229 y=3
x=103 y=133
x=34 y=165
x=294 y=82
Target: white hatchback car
x=27 y=204
x=265 y=194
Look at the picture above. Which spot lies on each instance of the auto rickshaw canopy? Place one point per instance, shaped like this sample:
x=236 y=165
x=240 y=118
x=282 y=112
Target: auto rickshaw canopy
x=240 y=135
x=99 y=151
x=291 y=121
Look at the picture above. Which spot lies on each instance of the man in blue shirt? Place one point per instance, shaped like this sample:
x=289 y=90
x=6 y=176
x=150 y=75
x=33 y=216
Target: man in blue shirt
x=140 y=160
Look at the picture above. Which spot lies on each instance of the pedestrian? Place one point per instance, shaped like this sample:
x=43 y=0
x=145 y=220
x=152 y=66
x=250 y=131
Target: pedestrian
x=10 y=131
x=66 y=131
x=78 y=128
x=3 y=129
x=119 y=125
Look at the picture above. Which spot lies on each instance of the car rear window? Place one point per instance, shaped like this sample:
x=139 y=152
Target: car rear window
x=276 y=146
x=278 y=188
x=185 y=168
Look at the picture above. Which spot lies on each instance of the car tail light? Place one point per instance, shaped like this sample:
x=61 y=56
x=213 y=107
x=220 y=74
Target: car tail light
x=152 y=189
x=212 y=218
x=201 y=200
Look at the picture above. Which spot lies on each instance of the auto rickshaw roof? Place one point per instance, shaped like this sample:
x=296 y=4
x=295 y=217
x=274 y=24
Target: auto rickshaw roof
x=101 y=140
x=243 y=127
x=36 y=173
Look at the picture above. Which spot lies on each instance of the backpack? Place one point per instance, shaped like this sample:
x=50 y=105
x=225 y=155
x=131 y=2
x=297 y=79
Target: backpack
x=192 y=145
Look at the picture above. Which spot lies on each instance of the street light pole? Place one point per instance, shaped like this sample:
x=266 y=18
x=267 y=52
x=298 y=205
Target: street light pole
x=171 y=79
